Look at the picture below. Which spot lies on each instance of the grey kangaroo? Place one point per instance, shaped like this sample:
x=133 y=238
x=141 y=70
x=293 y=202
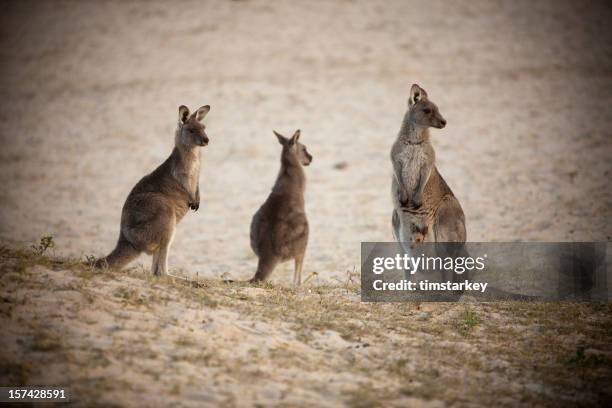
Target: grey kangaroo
x=279 y=229
x=425 y=208
x=161 y=199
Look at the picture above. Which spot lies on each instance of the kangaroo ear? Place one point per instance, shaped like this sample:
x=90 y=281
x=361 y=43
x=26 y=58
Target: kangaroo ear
x=201 y=113
x=416 y=94
x=183 y=113
x=281 y=139
x=295 y=137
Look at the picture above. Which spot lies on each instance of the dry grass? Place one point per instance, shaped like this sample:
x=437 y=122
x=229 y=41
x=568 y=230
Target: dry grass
x=116 y=336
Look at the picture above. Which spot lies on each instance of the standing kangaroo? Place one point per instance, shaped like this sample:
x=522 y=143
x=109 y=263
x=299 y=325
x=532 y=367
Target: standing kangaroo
x=161 y=199
x=425 y=208
x=279 y=229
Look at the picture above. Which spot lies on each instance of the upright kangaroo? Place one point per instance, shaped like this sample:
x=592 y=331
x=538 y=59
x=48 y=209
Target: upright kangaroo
x=279 y=229
x=159 y=200
x=425 y=208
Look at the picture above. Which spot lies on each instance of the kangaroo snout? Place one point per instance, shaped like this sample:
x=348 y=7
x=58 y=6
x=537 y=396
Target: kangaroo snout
x=204 y=141
x=309 y=157
x=438 y=122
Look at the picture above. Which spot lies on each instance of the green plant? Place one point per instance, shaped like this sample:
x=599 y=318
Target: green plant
x=46 y=242
x=582 y=359
x=469 y=319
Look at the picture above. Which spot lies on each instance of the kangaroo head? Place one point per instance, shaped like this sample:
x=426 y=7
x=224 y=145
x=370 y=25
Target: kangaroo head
x=190 y=129
x=422 y=111
x=293 y=150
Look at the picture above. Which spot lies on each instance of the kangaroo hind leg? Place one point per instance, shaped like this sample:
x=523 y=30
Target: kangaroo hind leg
x=164 y=250
x=297 y=273
x=161 y=233
x=449 y=222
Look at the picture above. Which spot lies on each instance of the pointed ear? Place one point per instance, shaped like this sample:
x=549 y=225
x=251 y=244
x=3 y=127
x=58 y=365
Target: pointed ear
x=281 y=139
x=295 y=137
x=183 y=113
x=201 y=113
x=416 y=94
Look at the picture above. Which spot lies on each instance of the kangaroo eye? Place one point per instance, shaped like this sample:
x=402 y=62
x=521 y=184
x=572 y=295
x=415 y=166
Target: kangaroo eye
x=427 y=111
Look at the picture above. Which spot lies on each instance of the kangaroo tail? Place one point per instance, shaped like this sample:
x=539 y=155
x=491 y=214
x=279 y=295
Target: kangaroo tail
x=123 y=254
x=264 y=269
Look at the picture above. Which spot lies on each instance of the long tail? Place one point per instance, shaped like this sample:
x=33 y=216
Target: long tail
x=123 y=254
x=265 y=266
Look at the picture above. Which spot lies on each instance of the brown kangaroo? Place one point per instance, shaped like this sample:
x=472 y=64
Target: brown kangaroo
x=425 y=208
x=279 y=229
x=161 y=199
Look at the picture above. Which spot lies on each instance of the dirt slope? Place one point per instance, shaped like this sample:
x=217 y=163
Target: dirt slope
x=127 y=339
x=91 y=90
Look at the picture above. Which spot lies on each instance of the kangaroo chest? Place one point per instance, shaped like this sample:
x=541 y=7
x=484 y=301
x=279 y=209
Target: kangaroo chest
x=188 y=174
x=412 y=159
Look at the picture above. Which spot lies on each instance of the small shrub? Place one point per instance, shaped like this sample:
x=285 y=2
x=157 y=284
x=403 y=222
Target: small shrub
x=582 y=359
x=469 y=320
x=46 y=242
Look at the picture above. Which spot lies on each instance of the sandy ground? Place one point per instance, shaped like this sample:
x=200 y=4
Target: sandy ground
x=90 y=93
x=125 y=339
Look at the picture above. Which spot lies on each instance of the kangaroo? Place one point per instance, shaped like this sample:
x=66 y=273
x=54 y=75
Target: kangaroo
x=425 y=208
x=279 y=229
x=161 y=199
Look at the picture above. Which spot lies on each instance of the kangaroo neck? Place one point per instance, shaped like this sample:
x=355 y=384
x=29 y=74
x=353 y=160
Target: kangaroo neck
x=185 y=159
x=412 y=134
x=291 y=178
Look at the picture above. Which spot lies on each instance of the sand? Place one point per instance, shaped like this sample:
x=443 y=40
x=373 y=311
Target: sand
x=122 y=338
x=91 y=90
x=90 y=94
